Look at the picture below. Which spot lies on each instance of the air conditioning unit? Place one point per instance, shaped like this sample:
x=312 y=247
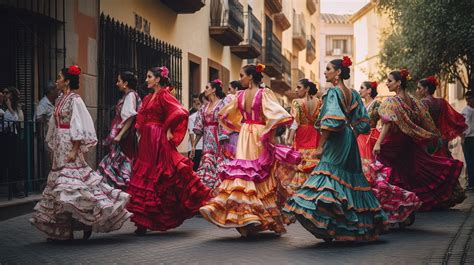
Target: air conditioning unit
x=336 y=52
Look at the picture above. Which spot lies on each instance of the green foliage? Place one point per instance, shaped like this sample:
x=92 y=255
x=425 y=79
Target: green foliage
x=430 y=37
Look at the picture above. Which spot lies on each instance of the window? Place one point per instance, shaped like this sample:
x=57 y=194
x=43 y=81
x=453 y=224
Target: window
x=194 y=76
x=338 y=45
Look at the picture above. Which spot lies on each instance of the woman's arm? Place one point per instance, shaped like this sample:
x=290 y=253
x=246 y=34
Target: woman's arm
x=385 y=128
x=324 y=136
x=124 y=129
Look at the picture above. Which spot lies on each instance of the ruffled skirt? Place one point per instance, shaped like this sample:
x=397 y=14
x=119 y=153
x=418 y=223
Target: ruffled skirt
x=116 y=167
x=76 y=196
x=164 y=190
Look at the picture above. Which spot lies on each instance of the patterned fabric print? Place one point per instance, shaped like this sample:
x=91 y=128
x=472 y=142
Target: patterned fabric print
x=373 y=111
x=116 y=166
x=414 y=120
x=75 y=195
x=212 y=156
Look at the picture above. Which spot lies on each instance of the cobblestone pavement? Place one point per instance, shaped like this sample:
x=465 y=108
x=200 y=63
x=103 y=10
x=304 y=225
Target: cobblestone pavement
x=436 y=237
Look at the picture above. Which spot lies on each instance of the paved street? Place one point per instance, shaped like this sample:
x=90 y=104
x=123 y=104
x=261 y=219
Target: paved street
x=435 y=237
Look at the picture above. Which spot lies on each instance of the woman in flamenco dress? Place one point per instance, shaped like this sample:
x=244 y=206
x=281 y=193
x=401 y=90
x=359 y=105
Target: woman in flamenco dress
x=303 y=135
x=75 y=197
x=207 y=127
x=407 y=130
x=164 y=189
x=399 y=204
x=449 y=122
x=247 y=199
x=116 y=166
x=229 y=138
x=337 y=202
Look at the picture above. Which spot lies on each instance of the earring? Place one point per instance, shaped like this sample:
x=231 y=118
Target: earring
x=337 y=80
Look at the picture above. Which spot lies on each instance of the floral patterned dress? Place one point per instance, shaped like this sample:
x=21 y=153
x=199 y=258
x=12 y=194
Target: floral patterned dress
x=208 y=127
x=116 y=166
x=75 y=195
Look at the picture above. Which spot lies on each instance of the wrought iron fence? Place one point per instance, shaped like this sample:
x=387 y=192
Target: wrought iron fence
x=255 y=31
x=123 y=48
x=24 y=159
x=273 y=54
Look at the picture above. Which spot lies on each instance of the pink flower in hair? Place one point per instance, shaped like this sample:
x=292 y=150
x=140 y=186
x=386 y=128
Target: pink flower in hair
x=217 y=81
x=164 y=71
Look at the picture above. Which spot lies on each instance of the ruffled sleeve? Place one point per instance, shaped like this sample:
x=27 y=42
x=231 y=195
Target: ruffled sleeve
x=176 y=116
x=331 y=117
x=230 y=117
x=295 y=112
x=359 y=116
x=275 y=115
x=51 y=132
x=81 y=125
x=129 y=107
x=451 y=123
x=198 y=128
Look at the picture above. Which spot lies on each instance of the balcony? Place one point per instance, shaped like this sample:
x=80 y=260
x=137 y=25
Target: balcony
x=299 y=32
x=310 y=50
x=273 y=58
x=274 y=6
x=251 y=47
x=283 y=84
x=227 y=22
x=311 y=5
x=184 y=6
x=282 y=19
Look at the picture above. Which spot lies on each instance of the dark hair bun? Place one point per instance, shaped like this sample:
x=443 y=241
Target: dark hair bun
x=130 y=78
x=72 y=76
x=251 y=69
x=217 y=84
x=345 y=70
x=308 y=83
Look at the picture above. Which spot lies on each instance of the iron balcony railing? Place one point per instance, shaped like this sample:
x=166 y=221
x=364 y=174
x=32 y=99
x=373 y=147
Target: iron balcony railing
x=227 y=13
x=254 y=36
x=273 y=54
x=298 y=26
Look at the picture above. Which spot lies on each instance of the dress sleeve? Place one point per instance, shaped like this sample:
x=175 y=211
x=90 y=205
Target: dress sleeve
x=51 y=132
x=359 y=117
x=295 y=112
x=275 y=115
x=176 y=117
x=451 y=123
x=230 y=117
x=129 y=108
x=81 y=125
x=198 y=127
x=331 y=117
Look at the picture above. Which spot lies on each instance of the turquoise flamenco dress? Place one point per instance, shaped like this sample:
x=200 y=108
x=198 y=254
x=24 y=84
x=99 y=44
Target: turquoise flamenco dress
x=337 y=202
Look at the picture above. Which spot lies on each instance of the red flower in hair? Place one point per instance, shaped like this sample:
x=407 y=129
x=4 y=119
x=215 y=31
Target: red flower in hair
x=346 y=61
x=404 y=73
x=260 y=67
x=374 y=84
x=74 y=70
x=432 y=80
x=217 y=81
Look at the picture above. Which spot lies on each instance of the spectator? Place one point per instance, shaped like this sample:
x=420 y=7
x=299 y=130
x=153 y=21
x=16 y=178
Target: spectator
x=192 y=136
x=45 y=107
x=468 y=138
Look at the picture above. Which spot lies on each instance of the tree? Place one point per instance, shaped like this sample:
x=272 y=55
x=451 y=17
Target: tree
x=431 y=37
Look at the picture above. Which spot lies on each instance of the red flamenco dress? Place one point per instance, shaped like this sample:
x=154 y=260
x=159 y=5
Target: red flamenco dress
x=366 y=142
x=450 y=124
x=432 y=178
x=164 y=189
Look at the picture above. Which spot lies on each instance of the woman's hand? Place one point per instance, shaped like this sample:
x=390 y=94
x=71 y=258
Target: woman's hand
x=71 y=156
x=319 y=152
x=193 y=153
x=117 y=138
x=376 y=150
x=169 y=135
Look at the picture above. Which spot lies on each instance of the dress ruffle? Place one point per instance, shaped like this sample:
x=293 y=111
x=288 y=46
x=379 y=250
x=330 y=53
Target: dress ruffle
x=397 y=203
x=116 y=167
x=209 y=169
x=240 y=203
x=79 y=194
x=334 y=203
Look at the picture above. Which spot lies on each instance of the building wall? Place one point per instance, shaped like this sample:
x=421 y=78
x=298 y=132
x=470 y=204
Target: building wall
x=325 y=31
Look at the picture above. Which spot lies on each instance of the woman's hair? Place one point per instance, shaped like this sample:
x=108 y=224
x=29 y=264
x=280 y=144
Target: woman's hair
x=130 y=78
x=14 y=97
x=217 y=84
x=73 y=77
x=251 y=69
x=236 y=85
x=202 y=96
x=429 y=84
x=157 y=72
x=373 y=91
x=308 y=83
x=345 y=70
x=397 y=75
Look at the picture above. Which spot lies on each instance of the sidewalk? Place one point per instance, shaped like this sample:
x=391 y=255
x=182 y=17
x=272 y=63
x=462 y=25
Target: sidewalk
x=16 y=207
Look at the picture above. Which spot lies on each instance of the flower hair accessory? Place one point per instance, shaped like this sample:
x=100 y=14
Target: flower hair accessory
x=217 y=81
x=260 y=67
x=164 y=71
x=373 y=84
x=346 y=61
x=74 y=70
x=404 y=73
x=432 y=80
